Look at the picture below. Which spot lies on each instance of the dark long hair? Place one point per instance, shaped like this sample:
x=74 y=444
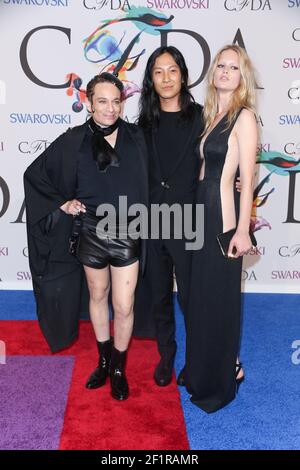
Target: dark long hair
x=149 y=103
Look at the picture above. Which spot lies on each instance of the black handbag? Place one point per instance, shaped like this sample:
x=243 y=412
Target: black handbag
x=224 y=239
x=75 y=234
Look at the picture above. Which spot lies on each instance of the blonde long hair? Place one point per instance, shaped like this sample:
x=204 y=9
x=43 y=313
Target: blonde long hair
x=242 y=97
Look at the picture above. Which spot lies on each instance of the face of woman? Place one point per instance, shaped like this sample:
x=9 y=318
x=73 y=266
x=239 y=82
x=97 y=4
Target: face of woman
x=227 y=75
x=106 y=104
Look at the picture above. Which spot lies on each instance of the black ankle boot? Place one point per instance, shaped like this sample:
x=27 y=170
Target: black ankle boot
x=118 y=381
x=100 y=374
x=163 y=372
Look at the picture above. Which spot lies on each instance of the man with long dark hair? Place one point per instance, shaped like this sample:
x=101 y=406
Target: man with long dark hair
x=172 y=125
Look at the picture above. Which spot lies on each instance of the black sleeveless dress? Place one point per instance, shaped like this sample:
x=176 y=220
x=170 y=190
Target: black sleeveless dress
x=213 y=320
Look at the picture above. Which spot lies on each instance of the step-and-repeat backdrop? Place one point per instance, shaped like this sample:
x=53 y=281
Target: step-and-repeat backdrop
x=49 y=50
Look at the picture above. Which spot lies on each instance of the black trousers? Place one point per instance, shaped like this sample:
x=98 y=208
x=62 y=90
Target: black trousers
x=154 y=294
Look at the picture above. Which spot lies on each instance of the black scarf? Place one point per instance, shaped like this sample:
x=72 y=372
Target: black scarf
x=104 y=154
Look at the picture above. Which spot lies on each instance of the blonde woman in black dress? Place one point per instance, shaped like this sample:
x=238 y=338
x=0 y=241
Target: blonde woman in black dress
x=227 y=149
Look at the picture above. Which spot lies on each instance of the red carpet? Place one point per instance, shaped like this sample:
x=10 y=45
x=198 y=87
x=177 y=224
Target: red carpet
x=151 y=418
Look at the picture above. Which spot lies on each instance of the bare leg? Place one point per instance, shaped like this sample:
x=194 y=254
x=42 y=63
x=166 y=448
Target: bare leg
x=123 y=286
x=99 y=284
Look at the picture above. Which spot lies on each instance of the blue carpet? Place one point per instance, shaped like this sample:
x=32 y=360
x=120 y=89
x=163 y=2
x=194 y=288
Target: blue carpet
x=17 y=305
x=266 y=413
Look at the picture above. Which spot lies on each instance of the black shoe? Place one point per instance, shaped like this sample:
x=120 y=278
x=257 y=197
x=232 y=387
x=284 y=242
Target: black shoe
x=99 y=375
x=163 y=373
x=181 y=378
x=118 y=381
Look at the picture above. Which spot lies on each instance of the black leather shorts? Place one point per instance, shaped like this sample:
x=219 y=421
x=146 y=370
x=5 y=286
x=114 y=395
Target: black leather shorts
x=98 y=250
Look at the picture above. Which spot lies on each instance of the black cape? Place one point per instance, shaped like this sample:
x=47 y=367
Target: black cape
x=57 y=276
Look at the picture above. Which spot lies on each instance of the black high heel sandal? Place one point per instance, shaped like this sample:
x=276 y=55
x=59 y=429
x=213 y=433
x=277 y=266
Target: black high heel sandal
x=240 y=379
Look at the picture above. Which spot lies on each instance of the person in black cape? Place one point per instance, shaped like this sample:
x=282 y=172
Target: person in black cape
x=86 y=166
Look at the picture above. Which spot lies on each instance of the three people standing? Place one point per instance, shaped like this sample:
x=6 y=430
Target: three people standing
x=109 y=158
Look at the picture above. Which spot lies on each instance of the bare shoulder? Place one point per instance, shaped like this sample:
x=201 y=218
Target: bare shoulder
x=247 y=132
x=246 y=126
x=246 y=118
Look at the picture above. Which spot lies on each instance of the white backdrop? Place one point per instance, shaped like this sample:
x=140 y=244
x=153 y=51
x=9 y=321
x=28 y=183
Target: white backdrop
x=43 y=41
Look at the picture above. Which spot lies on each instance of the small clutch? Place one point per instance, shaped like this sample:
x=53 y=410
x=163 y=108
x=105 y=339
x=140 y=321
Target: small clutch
x=224 y=240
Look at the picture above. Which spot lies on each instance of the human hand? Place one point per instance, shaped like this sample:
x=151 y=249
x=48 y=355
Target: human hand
x=73 y=207
x=239 y=245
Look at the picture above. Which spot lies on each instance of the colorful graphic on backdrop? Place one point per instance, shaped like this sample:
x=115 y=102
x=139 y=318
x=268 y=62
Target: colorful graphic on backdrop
x=276 y=163
x=111 y=50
